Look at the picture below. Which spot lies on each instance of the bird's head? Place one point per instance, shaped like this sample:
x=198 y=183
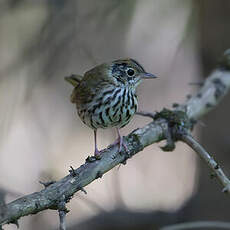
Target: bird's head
x=128 y=72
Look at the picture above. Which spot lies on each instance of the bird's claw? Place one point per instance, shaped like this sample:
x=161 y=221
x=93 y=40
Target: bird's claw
x=119 y=141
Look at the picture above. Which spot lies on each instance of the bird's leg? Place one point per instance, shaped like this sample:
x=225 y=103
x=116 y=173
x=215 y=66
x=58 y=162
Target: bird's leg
x=96 y=151
x=120 y=141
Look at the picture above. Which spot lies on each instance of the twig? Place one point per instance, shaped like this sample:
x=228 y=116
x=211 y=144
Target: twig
x=213 y=165
x=146 y=114
x=48 y=183
x=3 y=206
x=214 y=89
x=198 y=224
x=62 y=214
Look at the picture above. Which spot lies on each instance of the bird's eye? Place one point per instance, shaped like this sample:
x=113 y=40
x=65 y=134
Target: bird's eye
x=130 y=72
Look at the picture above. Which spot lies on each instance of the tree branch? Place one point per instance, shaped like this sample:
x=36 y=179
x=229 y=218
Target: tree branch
x=213 y=90
x=218 y=172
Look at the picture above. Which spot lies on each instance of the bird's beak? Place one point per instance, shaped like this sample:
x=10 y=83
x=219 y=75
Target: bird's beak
x=147 y=76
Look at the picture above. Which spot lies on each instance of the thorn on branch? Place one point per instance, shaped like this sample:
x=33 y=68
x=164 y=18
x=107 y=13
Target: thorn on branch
x=146 y=114
x=99 y=175
x=83 y=190
x=72 y=171
x=91 y=159
x=175 y=105
x=209 y=105
x=213 y=175
x=217 y=166
x=48 y=183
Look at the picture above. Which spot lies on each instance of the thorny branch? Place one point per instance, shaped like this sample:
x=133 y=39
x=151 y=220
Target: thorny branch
x=183 y=116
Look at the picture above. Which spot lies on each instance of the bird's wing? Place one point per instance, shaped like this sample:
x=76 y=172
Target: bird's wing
x=88 y=86
x=74 y=79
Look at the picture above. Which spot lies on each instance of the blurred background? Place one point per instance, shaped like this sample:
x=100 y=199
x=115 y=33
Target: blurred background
x=41 y=134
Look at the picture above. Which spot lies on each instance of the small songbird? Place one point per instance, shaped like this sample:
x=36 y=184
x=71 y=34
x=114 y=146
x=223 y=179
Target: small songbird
x=106 y=95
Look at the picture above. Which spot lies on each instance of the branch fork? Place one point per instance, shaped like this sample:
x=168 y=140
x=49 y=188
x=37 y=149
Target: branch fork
x=171 y=125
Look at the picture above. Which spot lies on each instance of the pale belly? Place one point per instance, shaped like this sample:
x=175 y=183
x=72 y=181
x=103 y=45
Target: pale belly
x=112 y=110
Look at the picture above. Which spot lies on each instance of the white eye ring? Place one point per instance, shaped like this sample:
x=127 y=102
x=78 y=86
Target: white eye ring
x=130 y=72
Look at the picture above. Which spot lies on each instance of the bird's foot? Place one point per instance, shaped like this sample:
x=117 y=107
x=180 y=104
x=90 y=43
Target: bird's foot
x=95 y=157
x=97 y=154
x=119 y=141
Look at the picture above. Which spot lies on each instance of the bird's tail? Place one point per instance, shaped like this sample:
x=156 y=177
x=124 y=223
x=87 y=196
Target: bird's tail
x=74 y=79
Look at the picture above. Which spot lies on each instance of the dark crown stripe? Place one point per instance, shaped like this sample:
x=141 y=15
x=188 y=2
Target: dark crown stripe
x=136 y=63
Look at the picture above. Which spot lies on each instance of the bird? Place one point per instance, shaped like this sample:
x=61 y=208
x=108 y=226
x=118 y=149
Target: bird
x=105 y=96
